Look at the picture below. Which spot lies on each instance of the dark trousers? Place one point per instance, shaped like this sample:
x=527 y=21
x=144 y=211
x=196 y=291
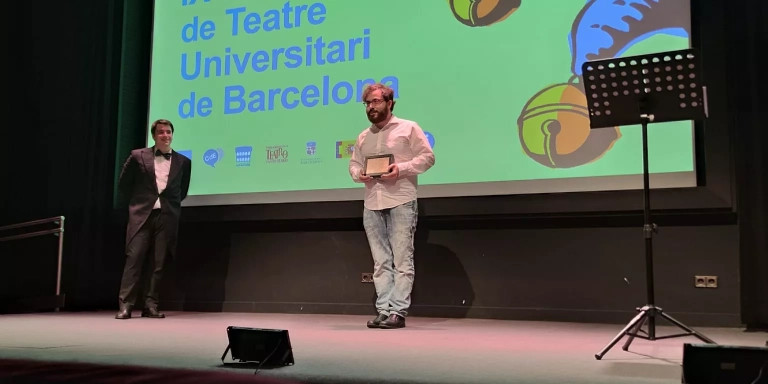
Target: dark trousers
x=144 y=262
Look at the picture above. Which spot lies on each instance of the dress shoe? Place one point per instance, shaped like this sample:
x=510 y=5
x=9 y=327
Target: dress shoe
x=124 y=312
x=152 y=313
x=394 y=321
x=376 y=323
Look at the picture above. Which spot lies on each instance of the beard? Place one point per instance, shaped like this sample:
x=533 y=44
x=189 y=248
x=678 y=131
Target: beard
x=376 y=117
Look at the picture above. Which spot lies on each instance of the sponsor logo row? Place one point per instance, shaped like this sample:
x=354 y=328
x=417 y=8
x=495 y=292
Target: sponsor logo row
x=245 y=155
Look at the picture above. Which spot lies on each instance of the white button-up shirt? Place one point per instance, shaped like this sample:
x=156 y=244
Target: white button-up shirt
x=413 y=155
x=162 y=169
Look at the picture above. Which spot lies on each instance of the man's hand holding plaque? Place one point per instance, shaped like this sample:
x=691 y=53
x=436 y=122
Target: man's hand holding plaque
x=380 y=166
x=393 y=174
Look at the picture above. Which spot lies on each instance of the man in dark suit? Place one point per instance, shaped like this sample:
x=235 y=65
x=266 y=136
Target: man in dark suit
x=154 y=181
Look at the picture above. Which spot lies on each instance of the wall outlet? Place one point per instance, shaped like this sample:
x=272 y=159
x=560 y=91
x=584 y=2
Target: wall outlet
x=705 y=281
x=366 y=277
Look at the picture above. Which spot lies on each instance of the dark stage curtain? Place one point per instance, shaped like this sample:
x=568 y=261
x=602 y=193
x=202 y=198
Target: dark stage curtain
x=63 y=63
x=746 y=39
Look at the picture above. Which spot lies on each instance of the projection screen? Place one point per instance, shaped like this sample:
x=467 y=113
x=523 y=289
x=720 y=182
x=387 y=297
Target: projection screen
x=265 y=95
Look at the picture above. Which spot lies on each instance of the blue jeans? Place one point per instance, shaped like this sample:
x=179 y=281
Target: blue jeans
x=390 y=236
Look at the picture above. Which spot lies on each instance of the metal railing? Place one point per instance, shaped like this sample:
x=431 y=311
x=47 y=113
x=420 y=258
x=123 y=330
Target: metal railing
x=57 y=220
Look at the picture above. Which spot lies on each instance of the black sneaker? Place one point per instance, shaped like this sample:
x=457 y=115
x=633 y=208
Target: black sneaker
x=375 y=323
x=394 y=321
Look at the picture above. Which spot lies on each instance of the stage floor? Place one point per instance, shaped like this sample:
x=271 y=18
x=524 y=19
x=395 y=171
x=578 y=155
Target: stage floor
x=340 y=349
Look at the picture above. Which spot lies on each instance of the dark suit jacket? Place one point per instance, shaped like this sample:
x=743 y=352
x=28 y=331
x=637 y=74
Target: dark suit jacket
x=138 y=186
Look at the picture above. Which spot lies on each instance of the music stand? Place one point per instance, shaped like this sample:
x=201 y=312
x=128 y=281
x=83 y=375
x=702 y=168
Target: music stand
x=665 y=86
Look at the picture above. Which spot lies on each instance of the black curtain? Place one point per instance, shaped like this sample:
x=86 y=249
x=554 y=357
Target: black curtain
x=63 y=63
x=746 y=38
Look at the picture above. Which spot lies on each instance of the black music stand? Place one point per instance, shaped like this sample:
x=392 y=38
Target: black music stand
x=665 y=86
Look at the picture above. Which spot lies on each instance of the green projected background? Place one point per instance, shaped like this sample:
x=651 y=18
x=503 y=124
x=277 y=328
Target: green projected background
x=265 y=95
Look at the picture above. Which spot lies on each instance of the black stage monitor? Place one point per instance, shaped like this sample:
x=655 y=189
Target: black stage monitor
x=722 y=364
x=268 y=347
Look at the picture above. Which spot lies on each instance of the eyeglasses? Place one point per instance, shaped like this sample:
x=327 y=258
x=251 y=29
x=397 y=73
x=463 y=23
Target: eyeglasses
x=374 y=102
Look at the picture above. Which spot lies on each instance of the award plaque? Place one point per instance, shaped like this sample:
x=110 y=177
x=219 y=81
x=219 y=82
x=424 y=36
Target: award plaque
x=377 y=165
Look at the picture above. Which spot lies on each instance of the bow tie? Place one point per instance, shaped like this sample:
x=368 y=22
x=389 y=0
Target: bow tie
x=166 y=155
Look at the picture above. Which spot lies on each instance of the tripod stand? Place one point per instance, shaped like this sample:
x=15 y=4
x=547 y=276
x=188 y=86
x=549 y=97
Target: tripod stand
x=643 y=89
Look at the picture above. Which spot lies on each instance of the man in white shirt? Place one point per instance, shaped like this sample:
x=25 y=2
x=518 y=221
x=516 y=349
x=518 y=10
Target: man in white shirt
x=154 y=181
x=390 y=211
